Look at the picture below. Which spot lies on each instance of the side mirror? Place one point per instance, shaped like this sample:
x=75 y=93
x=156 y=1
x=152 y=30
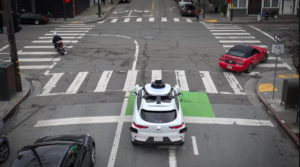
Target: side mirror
x=180 y=94
x=136 y=88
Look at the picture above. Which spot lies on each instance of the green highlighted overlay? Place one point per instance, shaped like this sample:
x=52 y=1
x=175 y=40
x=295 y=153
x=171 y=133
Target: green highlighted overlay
x=193 y=104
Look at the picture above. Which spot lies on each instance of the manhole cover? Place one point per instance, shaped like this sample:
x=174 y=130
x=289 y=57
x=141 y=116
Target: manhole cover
x=148 y=37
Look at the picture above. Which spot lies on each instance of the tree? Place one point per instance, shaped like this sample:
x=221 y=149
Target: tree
x=33 y=5
x=293 y=48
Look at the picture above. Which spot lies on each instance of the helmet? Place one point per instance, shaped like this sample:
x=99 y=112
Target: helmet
x=54 y=33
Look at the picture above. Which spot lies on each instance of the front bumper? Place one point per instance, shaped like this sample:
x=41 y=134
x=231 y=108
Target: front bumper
x=234 y=67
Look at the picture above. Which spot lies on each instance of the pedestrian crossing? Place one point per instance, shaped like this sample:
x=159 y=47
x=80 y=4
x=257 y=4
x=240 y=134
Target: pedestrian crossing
x=228 y=83
x=151 y=19
x=40 y=55
x=230 y=35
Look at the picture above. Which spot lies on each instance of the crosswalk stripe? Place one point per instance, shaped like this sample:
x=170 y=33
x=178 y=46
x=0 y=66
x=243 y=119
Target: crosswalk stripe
x=230 y=46
x=68 y=34
x=230 y=33
x=62 y=37
x=251 y=37
x=75 y=24
x=239 y=41
x=50 y=41
x=73 y=89
x=176 y=19
x=139 y=20
x=37 y=53
x=130 y=80
x=70 y=31
x=44 y=47
x=114 y=20
x=151 y=19
x=36 y=59
x=237 y=88
x=273 y=65
x=102 y=84
x=84 y=26
x=163 y=19
x=251 y=73
x=217 y=24
x=227 y=30
x=73 y=28
x=189 y=20
x=208 y=82
x=181 y=80
x=156 y=74
x=126 y=20
x=38 y=67
x=51 y=83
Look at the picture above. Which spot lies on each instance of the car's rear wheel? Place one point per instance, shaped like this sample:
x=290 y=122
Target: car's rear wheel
x=93 y=156
x=36 y=22
x=265 y=59
x=4 y=152
x=249 y=68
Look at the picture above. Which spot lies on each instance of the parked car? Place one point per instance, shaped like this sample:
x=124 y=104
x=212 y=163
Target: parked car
x=243 y=58
x=188 y=10
x=77 y=150
x=157 y=115
x=184 y=2
x=35 y=18
x=4 y=149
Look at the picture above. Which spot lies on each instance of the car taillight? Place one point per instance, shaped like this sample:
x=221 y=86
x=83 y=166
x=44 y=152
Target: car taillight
x=184 y=10
x=193 y=11
x=139 y=126
x=177 y=127
x=222 y=59
x=239 y=63
x=44 y=18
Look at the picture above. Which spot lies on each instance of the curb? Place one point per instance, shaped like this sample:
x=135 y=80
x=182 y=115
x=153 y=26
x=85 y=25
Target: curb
x=8 y=113
x=285 y=126
x=104 y=16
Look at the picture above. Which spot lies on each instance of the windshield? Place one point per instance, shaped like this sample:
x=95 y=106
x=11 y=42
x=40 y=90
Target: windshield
x=189 y=7
x=158 y=116
x=236 y=53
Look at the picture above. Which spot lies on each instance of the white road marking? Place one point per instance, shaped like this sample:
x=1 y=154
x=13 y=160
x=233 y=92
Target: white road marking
x=263 y=32
x=114 y=150
x=163 y=19
x=126 y=20
x=44 y=47
x=251 y=73
x=62 y=37
x=73 y=28
x=114 y=119
x=239 y=41
x=176 y=19
x=51 y=83
x=195 y=147
x=36 y=59
x=230 y=33
x=230 y=46
x=37 y=53
x=135 y=55
x=68 y=34
x=224 y=28
x=151 y=19
x=139 y=20
x=75 y=24
x=251 y=37
x=234 y=83
x=101 y=22
x=110 y=35
x=78 y=26
x=217 y=24
x=172 y=158
x=227 y=30
x=273 y=65
x=75 y=85
x=181 y=80
x=130 y=80
x=208 y=82
x=37 y=67
x=114 y=20
x=156 y=74
x=104 y=79
x=189 y=20
x=129 y=13
x=69 y=31
x=4 y=47
x=50 y=41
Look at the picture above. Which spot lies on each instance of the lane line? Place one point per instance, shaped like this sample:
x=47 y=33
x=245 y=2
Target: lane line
x=227 y=30
x=239 y=41
x=68 y=34
x=115 y=119
x=151 y=19
x=78 y=26
x=234 y=83
x=139 y=20
x=263 y=32
x=251 y=73
x=130 y=80
x=75 y=24
x=156 y=74
x=195 y=147
x=51 y=83
x=129 y=13
x=163 y=19
x=126 y=20
x=230 y=33
x=73 y=89
x=208 y=82
x=217 y=37
x=101 y=22
x=4 y=47
x=136 y=54
x=36 y=59
x=189 y=20
x=73 y=28
x=176 y=19
x=50 y=41
x=230 y=46
x=152 y=7
x=44 y=47
x=62 y=37
x=181 y=80
x=172 y=158
x=70 y=31
x=104 y=79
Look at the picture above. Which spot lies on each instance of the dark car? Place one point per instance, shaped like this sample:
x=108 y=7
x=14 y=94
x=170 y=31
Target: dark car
x=4 y=149
x=35 y=18
x=188 y=10
x=74 y=150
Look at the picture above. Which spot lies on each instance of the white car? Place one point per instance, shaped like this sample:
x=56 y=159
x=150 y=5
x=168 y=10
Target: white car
x=157 y=115
x=184 y=2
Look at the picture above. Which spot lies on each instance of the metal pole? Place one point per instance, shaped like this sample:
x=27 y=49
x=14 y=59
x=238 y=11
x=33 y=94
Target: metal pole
x=204 y=9
x=65 y=17
x=99 y=8
x=275 y=76
x=231 y=14
x=12 y=43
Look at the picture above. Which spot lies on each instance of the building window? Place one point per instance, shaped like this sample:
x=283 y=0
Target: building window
x=239 y=3
x=235 y=3
x=242 y=4
x=271 y=3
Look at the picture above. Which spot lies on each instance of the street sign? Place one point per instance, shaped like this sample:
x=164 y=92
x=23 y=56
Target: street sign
x=277 y=38
x=277 y=48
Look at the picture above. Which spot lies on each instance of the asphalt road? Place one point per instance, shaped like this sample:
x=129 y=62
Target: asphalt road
x=138 y=40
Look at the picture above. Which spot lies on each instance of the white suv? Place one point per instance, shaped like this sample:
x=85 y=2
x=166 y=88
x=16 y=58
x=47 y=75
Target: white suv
x=157 y=115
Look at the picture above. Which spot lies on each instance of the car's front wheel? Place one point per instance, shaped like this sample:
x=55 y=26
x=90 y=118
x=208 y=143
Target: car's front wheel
x=249 y=68
x=93 y=156
x=4 y=152
x=265 y=59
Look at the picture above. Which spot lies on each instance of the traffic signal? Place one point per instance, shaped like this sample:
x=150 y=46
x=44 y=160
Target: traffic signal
x=228 y=1
x=17 y=27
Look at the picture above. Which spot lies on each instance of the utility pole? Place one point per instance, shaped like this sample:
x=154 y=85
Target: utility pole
x=99 y=8
x=65 y=17
x=204 y=9
x=12 y=43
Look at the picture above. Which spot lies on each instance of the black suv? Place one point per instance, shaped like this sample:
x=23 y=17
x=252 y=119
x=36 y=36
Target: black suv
x=71 y=150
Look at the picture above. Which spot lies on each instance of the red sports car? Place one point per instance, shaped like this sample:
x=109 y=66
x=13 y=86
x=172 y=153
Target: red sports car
x=243 y=58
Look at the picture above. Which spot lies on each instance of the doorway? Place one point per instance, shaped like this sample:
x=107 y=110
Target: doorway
x=287 y=7
x=254 y=7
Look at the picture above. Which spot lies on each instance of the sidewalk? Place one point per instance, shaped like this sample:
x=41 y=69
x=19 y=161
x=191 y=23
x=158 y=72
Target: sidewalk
x=287 y=118
x=90 y=15
x=7 y=107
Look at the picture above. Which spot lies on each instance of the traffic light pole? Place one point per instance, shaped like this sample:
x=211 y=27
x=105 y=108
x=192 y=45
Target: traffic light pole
x=65 y=17
x=12 y=43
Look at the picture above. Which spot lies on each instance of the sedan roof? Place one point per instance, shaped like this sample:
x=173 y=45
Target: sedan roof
x=242 y=48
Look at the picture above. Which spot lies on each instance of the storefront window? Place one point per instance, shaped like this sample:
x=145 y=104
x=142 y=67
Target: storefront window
x=267 y=3
x=239 y=3
x=235 y=3
x=274 y=3
x=242 y=4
